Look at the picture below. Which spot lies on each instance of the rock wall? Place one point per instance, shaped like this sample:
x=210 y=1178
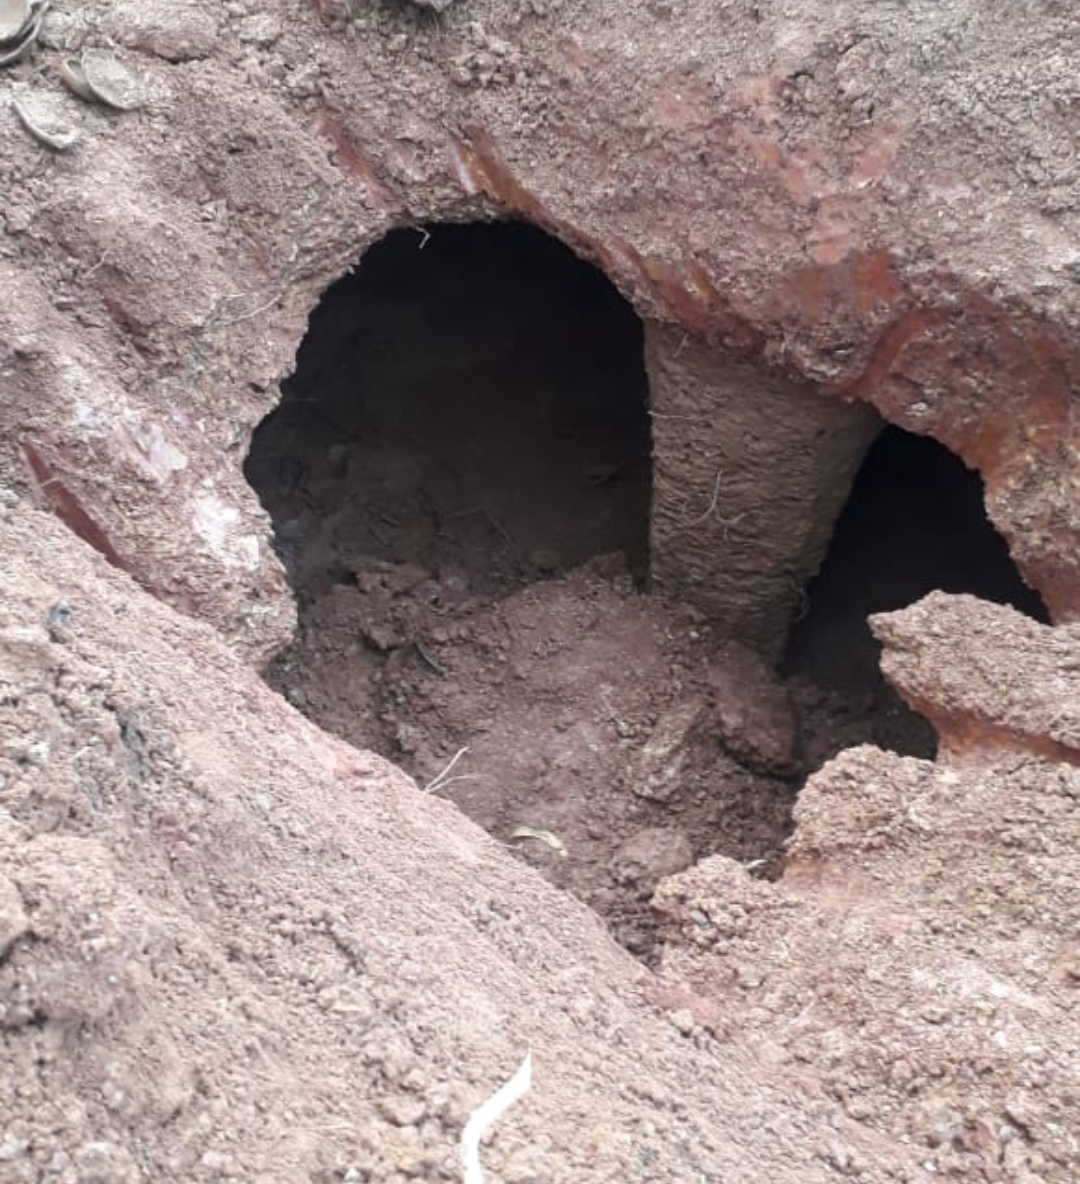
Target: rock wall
x=876 y=203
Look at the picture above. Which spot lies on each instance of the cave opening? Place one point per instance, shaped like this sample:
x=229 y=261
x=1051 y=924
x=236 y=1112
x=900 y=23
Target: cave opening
x=471 y=398
x=459 y=476
x=459 y=480
x=914 y=522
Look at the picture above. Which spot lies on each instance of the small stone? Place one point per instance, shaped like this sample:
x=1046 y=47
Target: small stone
x=658 y=770
x=651 y=854
x=217 y=1163
x=527 y=1165
x=1024 y=1113
x=683 y=1021
x=30 y=751
x=402 y=1109
x=261 y=29
x=177 y=34
x=14 y=1147
x=752 y=712
x=840 y=1157
x=101 y=1162
x=24 y=650
x=983 y=1136
x=382 y=636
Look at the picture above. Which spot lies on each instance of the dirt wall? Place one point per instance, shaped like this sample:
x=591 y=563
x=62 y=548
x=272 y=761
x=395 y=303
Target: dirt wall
x=875 y=201
x=751 y=470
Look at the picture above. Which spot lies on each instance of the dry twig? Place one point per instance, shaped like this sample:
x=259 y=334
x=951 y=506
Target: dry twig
x=711 y=508
x=444 y=778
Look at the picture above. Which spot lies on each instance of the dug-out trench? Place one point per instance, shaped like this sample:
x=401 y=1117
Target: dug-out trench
x=459 y=476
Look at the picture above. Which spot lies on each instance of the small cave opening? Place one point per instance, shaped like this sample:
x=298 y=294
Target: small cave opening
x=459 y=476
x=914 y=522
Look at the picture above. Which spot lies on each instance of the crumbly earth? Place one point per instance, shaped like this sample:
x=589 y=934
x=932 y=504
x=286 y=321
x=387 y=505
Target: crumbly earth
x=585 y=708
x=919 y=958
x=235 y=948
x=576 y=705
x=921 y=949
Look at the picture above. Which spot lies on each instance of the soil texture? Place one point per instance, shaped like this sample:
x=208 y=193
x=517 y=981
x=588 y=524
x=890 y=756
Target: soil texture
x=580 y=707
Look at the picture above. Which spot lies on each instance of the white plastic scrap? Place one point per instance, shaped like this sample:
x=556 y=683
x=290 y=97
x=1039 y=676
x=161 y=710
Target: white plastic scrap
x=485 y=1117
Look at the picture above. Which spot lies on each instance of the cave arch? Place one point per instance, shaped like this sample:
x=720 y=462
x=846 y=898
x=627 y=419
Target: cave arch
x=914 y=522
x=460 y=476
x=470 y=395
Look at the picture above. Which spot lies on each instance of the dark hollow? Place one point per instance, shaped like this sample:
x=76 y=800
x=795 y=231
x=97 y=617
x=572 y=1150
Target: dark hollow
x=914 y=522
x=470 y=396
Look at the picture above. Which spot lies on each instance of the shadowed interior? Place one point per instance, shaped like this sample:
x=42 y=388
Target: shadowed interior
x=471 y=396
x=914 y=522
x=459 y=477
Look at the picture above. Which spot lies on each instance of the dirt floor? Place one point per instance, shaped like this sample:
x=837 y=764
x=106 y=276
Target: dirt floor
x=459 y=477
x=233 y=947
x=586 y=710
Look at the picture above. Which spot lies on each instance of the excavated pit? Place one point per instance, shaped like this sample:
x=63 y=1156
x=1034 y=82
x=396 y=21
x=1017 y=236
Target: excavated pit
x=459 y=477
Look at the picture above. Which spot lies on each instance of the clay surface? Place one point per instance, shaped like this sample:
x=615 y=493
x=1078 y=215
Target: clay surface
x=236 y=946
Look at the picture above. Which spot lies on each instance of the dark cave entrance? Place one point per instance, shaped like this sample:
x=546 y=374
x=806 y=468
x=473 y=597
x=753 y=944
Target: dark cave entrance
x=472 y=398
x=459 y=478
x=914 y=522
